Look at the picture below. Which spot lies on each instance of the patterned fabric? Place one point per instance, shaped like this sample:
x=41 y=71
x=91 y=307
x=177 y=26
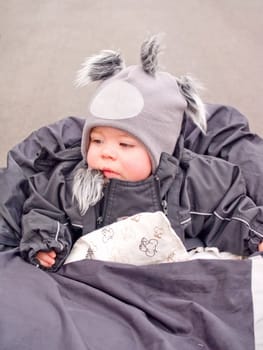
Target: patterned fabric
x=141 y=239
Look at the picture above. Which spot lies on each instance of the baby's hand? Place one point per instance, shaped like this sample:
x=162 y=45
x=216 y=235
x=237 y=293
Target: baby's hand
x=46 y=259
x=260 y=247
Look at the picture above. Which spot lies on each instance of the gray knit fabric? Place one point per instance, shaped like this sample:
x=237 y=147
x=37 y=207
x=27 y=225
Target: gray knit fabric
x=150 y=107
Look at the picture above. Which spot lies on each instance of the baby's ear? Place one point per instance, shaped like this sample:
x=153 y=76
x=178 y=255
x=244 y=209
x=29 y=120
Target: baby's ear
x=99 y=67
x=195 y=106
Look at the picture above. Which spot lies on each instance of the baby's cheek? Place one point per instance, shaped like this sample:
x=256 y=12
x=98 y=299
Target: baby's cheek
x=91 y=159
x=138 y=171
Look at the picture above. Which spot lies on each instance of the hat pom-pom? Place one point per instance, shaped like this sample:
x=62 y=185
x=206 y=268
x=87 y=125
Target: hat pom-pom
x=99 y=67
x=195 y=106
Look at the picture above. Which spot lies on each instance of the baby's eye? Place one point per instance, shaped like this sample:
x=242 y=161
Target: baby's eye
x=94 y=140
x=126 y=145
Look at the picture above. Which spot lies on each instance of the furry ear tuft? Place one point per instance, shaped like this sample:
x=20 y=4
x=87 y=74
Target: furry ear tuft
x=150 y=50
x=99 y=67
x=195 y=106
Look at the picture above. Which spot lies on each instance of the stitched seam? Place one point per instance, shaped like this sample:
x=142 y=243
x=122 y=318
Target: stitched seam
x=228 y=219
x=77 y=225
x=185 y=221
x=58 y=229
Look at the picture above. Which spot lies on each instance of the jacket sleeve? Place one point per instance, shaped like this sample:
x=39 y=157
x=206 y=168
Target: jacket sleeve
x=229 y=137
x=222 y=215
x=41 y=232
x=21 y=163
x=45 y=224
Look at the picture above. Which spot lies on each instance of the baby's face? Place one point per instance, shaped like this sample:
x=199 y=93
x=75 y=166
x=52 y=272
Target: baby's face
x=118 y=154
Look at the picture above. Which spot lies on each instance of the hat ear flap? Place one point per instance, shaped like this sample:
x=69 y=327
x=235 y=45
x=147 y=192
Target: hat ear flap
x=195 y=106
x=99 y=67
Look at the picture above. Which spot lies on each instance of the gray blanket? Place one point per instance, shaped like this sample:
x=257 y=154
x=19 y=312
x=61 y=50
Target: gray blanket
x=96 y=305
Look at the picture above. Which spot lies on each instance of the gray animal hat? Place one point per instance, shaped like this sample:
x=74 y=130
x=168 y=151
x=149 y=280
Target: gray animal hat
x=147 y=103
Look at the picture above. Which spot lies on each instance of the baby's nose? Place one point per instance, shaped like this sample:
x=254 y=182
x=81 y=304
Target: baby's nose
x=109 y=152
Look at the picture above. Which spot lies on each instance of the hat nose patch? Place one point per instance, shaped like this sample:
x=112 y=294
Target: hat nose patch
x=117 y=100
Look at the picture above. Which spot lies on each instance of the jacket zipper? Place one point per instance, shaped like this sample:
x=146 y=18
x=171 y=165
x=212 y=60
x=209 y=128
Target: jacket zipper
x=102 y=207
x=165 y=207
x=99 y=221
x=163 y=202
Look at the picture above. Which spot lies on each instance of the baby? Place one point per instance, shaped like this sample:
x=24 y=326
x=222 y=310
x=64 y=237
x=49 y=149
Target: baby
x=134 y=162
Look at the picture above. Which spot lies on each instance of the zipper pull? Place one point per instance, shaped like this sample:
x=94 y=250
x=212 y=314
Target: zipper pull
x=165 y=207
x=99 y=221
x=164 y=203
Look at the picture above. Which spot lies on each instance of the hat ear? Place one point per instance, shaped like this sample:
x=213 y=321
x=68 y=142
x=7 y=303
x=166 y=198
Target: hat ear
x=150 y=50
x=195 y=107
x=99 y=67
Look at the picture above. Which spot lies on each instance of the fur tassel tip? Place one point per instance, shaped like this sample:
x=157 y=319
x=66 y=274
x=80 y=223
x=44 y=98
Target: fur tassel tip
x=195 y=106
x=149 y=54
x=99 y=67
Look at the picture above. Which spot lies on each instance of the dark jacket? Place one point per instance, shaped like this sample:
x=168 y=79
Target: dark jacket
x=204 y=198
x=228 y=137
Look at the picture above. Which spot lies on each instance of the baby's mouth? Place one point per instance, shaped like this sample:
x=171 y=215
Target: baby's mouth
x=108 y=173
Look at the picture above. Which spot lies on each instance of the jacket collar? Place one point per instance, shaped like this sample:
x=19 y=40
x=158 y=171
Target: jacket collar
x=166 y=172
